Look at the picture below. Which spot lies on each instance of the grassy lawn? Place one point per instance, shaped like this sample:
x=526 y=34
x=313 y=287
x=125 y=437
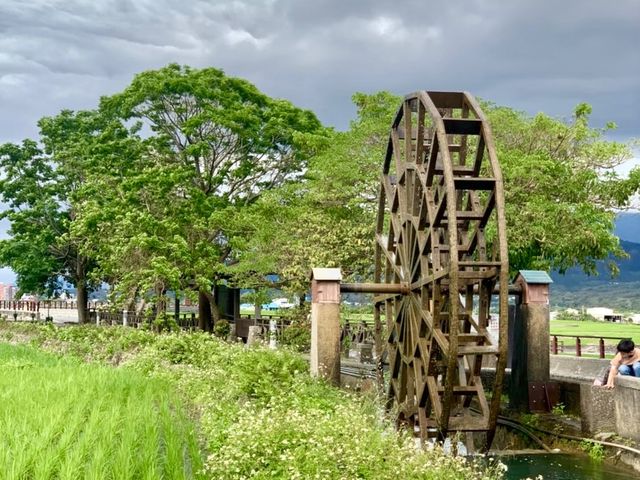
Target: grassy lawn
x=61 y=418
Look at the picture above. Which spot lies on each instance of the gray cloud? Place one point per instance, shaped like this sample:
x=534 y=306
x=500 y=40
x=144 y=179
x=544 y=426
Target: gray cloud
x=535 y=56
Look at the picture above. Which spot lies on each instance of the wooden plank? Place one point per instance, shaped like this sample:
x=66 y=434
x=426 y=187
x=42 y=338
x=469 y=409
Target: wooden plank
x=447 y=99
x=431 y=161
x=477 y=163
x=459 y=126
x=440 y=210
x=462 y=390
x=482 y=398
x=468 y=424
x=478 y=264
x=478 y=350
x=457 y=169
x=436 y=404
x=475 y=275
x=442 y=341
x=469 y=337
x=420 y=140
x=471 y=183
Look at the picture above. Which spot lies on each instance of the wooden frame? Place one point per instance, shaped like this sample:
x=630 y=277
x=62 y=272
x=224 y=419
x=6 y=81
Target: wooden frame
x=441 y=235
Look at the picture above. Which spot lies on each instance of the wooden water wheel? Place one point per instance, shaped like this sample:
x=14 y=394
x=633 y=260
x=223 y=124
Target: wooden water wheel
x=441 y=236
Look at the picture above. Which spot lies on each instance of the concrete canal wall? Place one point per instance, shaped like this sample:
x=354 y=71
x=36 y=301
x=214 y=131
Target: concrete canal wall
x=601 y=409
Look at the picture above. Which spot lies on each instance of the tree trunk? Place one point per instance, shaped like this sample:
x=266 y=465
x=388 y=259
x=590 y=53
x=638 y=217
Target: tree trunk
x=215 y=311
x=257 y=310
x=160 y=306
x=205 y=321
x=82 y=296
x=131 y=301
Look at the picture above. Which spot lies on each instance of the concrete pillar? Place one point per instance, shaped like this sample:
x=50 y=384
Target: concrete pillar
x=273 y=328
x=253 y=336
x=124 y=318
x=97 y=317
x=529 y=343
x=325 y=323
x=232 y=337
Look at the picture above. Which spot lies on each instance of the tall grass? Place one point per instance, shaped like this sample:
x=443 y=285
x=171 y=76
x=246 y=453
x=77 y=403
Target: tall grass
x=61 y=418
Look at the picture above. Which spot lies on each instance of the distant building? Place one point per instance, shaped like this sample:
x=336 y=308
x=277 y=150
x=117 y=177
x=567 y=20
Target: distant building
x=600 y=312
x=7 y=292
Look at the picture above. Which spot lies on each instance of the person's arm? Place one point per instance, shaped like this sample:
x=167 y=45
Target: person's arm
x=613 y=371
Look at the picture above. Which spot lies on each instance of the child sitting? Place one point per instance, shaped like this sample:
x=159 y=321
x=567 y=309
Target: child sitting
x=625 y=362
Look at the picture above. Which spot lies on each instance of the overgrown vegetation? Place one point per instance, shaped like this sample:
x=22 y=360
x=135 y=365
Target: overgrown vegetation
x=594 y=450
x=260 y=415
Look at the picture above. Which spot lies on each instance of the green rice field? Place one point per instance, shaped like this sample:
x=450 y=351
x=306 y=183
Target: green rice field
x=600 y=329
x=60 y=418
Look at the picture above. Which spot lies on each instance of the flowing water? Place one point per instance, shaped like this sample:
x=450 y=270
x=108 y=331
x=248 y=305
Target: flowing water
x=562 y=467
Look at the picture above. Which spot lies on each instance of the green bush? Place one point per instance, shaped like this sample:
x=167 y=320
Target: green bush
x=164 y=323
x=222 y=329
x=297 y=337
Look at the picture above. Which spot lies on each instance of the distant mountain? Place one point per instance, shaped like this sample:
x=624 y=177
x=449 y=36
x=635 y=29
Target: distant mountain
x=575 y=289
x=575 y=279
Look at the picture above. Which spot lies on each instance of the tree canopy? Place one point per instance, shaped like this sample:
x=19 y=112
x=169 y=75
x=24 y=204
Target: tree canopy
x=202 y=147
x=188 y=178
x=561 y=193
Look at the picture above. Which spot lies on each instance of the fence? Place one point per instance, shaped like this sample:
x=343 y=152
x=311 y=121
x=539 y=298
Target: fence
x=357 y=332
x=353 y=331
x=41 y=305
x=186 y=321
x=602 y=347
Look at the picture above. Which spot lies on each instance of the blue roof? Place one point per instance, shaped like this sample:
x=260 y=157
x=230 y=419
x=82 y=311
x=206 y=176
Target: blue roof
x=535 y=276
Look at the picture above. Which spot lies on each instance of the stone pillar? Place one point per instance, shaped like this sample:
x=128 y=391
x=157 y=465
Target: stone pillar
x=97 y=317
x=325 y=324
x=273 y=327
x=530 y=337
x=253 y=337
x=124 y=318
x=233 y=336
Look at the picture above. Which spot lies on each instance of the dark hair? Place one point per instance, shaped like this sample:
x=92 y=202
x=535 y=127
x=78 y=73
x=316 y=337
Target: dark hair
x=626 y=346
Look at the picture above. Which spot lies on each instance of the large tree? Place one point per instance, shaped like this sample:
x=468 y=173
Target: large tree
x=210 y=145
x=39 y=183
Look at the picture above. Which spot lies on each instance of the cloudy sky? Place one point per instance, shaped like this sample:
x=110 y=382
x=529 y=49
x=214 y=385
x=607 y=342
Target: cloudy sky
x=533 y=55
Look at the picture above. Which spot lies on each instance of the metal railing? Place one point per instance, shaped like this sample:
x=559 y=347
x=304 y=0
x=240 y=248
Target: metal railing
x=355 y=331
x=41 y=305
x=558 y=347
